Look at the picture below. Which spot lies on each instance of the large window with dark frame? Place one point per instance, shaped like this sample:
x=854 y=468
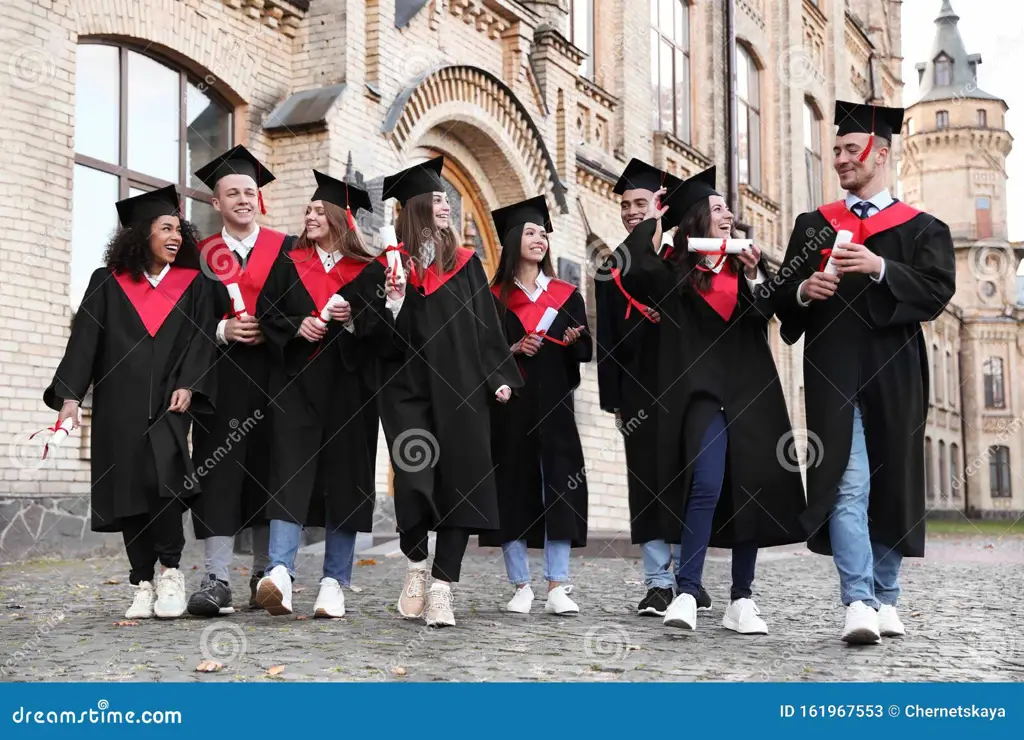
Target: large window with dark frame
x=140 y=124
x=812 y=154
x=581 y=32
x=670 y=66
x=929 y=472
x=748 y=103
x=992 y=371
x=999 y=472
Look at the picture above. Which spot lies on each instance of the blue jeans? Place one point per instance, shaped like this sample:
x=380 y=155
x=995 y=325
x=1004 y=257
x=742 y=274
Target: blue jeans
x=658 y=557
x=556 y=556
x=339 y=550
x=705 y=488
x=868 y=571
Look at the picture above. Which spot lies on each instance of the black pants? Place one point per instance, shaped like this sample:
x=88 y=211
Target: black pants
x=449 y=549
x=156 y=535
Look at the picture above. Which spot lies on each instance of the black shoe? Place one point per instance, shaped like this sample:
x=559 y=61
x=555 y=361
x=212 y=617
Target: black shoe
x=212 y=599
x=703 y=600
x=253 y=583
x=655 y=603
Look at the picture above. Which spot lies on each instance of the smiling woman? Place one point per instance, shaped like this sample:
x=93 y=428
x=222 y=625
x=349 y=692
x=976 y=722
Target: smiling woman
x=140 y=124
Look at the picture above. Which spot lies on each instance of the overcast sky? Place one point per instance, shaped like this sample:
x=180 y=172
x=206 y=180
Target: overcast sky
x=994 y=29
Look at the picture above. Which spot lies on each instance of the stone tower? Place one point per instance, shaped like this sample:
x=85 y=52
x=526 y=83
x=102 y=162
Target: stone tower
x=954 y=149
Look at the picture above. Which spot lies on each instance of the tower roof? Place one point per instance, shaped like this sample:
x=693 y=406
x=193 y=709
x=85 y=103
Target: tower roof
x=963 y=78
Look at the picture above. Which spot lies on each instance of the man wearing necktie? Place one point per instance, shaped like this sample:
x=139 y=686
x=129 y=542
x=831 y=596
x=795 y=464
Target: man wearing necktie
x=865 y=367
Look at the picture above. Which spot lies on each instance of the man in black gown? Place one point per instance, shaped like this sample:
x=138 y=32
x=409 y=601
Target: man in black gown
x=866 y=367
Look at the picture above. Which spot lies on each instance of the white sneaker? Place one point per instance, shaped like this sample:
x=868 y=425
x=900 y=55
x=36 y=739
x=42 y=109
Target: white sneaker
x=330 y=602
x=274 y=591
x=438 y=612
x=171 y=598
x=560 y=604
x=742 y=616
x=682 y=612
x=522 y=602
x=889 y=623
x=412 y=600
x=861 y=625
x=142 y=606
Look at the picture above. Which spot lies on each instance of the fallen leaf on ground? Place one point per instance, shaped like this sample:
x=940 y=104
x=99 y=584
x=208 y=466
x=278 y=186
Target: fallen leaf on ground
x=367 y=561
x=399 y=671
x=195 y=567
x=112 y=582
x=298 y=589
x=915 y=614
x=990 y=547
x=301 y=618
x=275 y=669
x=209 y=666
x=15 y=606
x=126 y=623
x=356 y=589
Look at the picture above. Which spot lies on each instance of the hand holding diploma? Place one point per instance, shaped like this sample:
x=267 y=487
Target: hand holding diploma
x=528 y=345
x=67 y=421
x=237 y=302
x=339 y=310
x=750 y=259
x=854 y=258
x=69 y=412
x=312 y=329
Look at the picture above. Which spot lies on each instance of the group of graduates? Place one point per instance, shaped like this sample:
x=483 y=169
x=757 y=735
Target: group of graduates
x=281 y=355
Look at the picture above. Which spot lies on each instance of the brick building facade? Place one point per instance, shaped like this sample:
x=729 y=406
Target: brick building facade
x=104 y=98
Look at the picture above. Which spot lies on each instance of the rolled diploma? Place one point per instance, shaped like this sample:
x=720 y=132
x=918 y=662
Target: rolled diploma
x=390 y=239
x=62 y=431
x=546 y=320
x=843 y=237
x=325 y=312
x=237 y=302
x=712 y=246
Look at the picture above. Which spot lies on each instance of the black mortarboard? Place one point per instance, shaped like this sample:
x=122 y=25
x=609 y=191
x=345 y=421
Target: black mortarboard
x=531 y=210
x=639 y=174
x=340 y=193
x=236 y=161
x=162 y=202
x=699 y=187
x=417 y=180
x=853 y=118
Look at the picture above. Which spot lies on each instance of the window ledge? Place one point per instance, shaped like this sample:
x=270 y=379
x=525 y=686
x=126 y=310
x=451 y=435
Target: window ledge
x=283 y=15
x=594 y=91
x=671 y=141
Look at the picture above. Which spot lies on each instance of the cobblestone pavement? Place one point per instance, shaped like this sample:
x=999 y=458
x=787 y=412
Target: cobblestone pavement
x=963 y=609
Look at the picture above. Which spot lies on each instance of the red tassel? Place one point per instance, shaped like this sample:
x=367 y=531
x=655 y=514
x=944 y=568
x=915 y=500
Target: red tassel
x=349 y=217
x=867 y=150
x=263 y=208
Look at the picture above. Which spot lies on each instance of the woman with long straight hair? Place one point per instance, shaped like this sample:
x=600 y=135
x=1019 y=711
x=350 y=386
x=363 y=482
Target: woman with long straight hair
x=143 y=340
x=322 y=464
x=541 y=475
x=449 y=368
x=721 y=407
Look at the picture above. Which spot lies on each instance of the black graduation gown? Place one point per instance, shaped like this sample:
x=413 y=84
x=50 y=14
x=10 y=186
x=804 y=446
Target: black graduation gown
x=231 y=448
x=134 y=371
x=321 y=466
x=537 y=429
x=866 y=342
x=706 y=364
x=449 y=358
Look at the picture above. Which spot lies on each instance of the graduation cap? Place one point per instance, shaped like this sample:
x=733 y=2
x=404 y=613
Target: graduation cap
x=236 y=161
x=417 y=180
x=640 y=175
x=699 y=187
x=156 y=203
x=532 y=210
x=854 y=118
x=341 y=194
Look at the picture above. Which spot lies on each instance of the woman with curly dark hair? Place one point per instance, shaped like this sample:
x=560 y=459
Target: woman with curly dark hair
x=142 y=340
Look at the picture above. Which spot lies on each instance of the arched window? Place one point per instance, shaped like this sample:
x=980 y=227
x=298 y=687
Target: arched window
x=938 y=382
x=943 y=71
x=670 y=66
x=943 y=472
x=942 y=119
x=812 y=154
x=748 y=103
x=929 y=474
x=954 y=469
x=952 y=384
x=140 y=124
x=992 y=373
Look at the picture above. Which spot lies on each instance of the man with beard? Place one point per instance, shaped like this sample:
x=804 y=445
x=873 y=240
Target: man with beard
x=232 y=451
x=626 y=377
x=866 y=367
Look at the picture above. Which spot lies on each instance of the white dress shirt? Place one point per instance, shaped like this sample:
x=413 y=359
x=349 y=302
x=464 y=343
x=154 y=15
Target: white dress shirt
x=710 y=261
x=878 y=202
x=154 y=280
x=329 y=260
x=241 y=248
x=542 y=285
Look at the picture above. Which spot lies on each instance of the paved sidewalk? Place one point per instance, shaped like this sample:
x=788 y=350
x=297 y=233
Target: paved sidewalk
x=963 y=607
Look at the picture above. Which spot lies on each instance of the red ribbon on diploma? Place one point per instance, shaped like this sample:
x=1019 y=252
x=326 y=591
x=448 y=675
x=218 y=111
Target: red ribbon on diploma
x=52 y=430
x=825 y=254
x=721 y=258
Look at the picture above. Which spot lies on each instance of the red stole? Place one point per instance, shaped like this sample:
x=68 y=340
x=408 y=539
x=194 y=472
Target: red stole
x=530 y=313
x=319 y=284
x=433 y=278
x=841 y=218
x=724 y=292
x=154 y=305
x=223 y=263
